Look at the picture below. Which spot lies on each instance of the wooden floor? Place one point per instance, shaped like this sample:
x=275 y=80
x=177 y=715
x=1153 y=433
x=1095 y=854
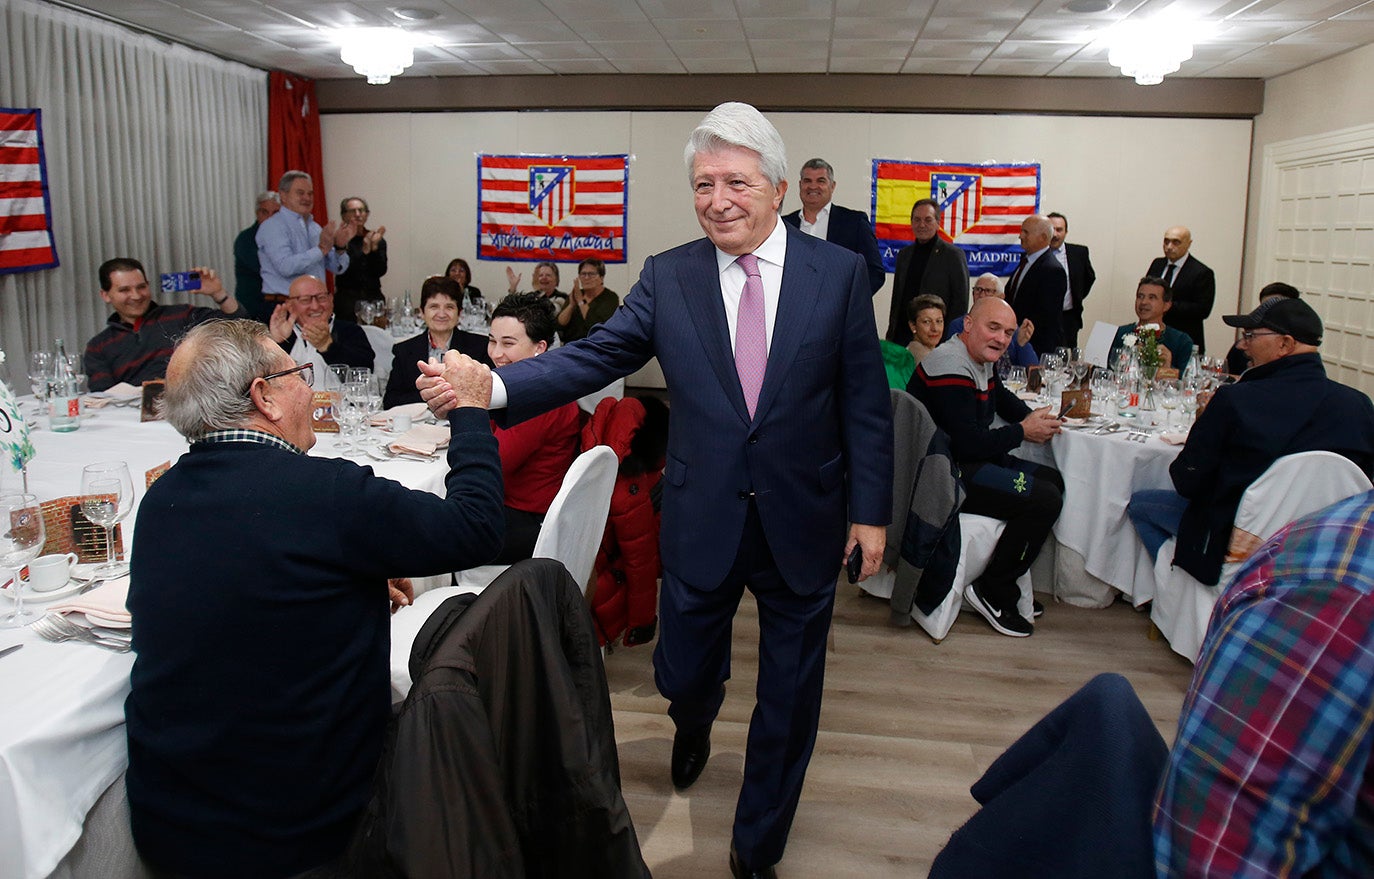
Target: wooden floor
x=907 y=725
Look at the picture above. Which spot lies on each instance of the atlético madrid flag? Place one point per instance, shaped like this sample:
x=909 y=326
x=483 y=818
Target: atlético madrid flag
x=981 y=208
x=555 y=208
x=25 y=210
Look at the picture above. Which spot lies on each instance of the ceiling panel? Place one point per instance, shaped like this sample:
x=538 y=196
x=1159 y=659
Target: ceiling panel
x=1253 y=38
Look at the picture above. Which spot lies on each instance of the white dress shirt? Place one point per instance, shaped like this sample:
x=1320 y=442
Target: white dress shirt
x=821 y=227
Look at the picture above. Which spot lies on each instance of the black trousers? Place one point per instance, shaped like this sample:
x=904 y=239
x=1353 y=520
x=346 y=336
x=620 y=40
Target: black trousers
x=1028 y=498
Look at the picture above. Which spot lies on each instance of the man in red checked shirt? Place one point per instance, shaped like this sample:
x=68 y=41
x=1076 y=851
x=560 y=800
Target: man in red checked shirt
x=139 y=337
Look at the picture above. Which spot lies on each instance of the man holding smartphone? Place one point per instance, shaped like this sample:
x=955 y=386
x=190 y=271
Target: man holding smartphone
x=139 y=337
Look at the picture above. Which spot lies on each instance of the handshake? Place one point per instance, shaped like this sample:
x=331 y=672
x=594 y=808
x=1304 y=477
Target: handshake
x=456 y=382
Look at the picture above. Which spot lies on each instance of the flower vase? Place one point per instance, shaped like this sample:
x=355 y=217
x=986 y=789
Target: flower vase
x=1148 y=406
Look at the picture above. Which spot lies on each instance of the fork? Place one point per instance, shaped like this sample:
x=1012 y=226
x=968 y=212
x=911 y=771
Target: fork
x=57 y=628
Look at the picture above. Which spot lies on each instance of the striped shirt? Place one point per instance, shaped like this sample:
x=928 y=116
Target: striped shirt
x=136 y=353
x=1271 y=772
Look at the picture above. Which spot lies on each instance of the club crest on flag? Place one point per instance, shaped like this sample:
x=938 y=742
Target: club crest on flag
x=552 y=192
x=557 y=208
x=959 y=198
x=981 y=207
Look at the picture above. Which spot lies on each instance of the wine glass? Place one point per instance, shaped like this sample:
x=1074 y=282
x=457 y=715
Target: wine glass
x=40 y=373
x=1015 y=379
x=350 y=413
x=21 y=541
x=1188 y=402
x=1169 y=396
x=107 y=496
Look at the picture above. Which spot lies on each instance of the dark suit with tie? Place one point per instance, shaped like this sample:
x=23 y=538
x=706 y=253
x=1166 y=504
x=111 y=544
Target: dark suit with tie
x=1081 y=279
x=1038 y=293
x=1194 y=290
x=761 y=502
x=851 y=230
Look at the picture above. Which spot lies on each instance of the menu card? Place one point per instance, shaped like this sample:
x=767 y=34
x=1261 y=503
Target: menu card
x=322 y=420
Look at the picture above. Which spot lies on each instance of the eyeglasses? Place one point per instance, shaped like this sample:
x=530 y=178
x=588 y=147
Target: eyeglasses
x=306 y=371
x=985 y=290
x=1251 y=335
x=589 y=274
x=310 y=300
x=357 y=211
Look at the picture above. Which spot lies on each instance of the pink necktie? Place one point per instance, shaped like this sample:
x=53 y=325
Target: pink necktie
x=751 y=333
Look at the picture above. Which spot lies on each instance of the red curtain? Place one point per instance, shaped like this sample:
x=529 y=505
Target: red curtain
x=293 y=135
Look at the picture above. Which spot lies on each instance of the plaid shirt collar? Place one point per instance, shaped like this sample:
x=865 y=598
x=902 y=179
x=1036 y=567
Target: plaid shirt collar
x=247 y=435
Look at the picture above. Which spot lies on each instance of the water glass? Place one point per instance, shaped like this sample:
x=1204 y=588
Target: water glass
x=21 y=541
x=107 y=497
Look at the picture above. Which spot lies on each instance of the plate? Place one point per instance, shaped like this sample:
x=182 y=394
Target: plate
x=32 y=597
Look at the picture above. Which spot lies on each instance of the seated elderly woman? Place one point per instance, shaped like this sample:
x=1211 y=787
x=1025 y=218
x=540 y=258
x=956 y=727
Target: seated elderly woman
x=459 y=270
x=440 y=305
x=925 y=315
x=545 y=284
x=535 y=454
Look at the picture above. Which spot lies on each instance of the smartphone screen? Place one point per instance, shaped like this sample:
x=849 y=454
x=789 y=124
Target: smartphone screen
x=180 y=282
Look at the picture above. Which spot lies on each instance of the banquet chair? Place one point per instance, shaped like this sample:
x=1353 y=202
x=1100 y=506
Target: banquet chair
x=381 y=341
x=576 y=520
x=978 y=535
x=571 y=534
x=1293 y=486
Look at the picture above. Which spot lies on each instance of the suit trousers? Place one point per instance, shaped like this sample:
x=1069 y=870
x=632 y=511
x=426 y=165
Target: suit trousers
x=1028 y=497
x=692 y=664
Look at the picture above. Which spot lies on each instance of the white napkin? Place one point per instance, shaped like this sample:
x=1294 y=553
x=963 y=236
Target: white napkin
x=414 y=410
x=104 y=603
x=120 y=393
x=1175 y=438
x=421 y=439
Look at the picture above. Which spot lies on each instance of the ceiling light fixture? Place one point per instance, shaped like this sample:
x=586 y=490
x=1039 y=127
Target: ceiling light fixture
x=1149 y=50
x=377 y=53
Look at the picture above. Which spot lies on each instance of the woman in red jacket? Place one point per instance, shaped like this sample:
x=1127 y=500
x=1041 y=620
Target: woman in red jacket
x=535 y=454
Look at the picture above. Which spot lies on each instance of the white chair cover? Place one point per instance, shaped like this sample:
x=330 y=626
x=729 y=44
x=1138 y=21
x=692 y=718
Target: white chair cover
x=575 y=522
x=978 y=536
x=571 y=533
x=1292 y=487
x=381 y=342
x=615 y=389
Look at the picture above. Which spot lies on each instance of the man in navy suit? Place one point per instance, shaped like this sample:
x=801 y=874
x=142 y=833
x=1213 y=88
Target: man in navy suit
x=1074 y=258
x=1193 y=283
x=1038 y=286
x=765 y=464
x=820 y=217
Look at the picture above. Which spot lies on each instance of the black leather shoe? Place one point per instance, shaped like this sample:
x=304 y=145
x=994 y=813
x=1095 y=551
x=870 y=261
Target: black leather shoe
x=690 y=752
x=740 y=871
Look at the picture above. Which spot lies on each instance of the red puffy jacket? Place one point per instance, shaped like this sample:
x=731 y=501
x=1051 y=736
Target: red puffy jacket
x=625 y=597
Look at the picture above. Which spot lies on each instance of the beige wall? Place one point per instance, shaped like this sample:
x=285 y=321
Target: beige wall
x=1323 y=98
x=1121 y=181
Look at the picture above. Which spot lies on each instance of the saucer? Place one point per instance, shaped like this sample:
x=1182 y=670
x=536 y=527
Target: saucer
x=33 y=597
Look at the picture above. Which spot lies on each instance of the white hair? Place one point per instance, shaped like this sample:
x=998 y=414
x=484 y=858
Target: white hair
x=211 y=393
x=734 y=124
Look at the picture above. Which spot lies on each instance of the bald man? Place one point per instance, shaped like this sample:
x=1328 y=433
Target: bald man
x=1193 y=284
x=1038 y=286
x=304 y=326
x=957 y=382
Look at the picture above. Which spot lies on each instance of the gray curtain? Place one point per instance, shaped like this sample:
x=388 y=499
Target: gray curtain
x=154 y=151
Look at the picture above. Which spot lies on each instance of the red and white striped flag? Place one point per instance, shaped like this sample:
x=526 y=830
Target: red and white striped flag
x=557 y=208
x=26 y=242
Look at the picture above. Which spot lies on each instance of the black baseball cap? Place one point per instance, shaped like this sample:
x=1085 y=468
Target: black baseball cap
x=1292 y=317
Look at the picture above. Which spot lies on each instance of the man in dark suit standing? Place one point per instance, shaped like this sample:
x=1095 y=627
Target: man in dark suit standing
x=780 y=434
x=928 y=265
x=1194 y=285
x=1038 y=287
x=1074 y=259
x=838 y=225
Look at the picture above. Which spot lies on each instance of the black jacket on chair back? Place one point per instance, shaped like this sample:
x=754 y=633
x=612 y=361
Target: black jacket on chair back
x=503 y=761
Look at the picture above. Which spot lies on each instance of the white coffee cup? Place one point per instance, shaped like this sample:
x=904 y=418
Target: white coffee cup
x=400 y=422
x=49 y=572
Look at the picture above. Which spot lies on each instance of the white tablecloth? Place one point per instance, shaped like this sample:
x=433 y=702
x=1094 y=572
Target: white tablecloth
x=1101 y=472
x=62 y=738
